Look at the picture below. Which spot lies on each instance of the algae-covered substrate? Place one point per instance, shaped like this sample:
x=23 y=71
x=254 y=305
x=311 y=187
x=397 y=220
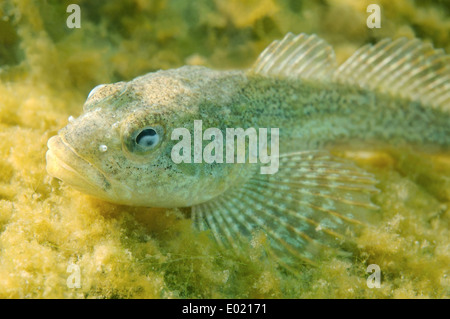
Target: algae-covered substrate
x=46 y=72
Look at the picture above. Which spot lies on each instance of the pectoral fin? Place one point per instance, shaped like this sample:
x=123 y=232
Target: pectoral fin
x=314 y=202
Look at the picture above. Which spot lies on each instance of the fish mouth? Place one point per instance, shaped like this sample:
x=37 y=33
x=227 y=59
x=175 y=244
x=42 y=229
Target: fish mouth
x=64 y=163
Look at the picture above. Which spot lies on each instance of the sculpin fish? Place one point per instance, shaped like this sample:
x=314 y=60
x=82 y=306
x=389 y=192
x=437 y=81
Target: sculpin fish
x=119 y=149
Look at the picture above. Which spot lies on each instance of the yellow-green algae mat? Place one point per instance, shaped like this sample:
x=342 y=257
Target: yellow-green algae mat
x=46 y=71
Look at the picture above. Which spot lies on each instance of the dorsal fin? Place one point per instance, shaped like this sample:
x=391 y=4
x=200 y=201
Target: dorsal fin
x=302 y=56
x=409 y=69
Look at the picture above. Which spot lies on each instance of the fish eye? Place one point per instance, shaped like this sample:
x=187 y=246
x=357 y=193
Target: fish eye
x=143 y=140
x=147 y=138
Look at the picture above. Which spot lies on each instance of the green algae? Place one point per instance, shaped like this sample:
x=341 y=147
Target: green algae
x=46 y=72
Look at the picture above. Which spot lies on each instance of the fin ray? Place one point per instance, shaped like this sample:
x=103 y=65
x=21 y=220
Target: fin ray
x=300 y=221
x=302 y=56
x=409 y=69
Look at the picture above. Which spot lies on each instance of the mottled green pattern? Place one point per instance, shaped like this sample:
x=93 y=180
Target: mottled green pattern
x=321 y=113
x=46 y=72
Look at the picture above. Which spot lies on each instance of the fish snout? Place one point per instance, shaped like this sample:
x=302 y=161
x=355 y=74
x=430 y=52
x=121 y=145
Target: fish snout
x=64 y=163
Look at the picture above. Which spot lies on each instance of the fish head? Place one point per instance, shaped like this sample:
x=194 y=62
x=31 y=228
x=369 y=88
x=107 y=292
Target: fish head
x=120 y=148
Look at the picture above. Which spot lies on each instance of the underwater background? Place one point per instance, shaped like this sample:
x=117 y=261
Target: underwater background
x=46 y=72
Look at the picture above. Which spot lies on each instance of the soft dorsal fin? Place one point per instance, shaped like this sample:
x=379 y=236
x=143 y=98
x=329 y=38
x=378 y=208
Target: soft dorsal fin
x=409 y=69
x=302 y=56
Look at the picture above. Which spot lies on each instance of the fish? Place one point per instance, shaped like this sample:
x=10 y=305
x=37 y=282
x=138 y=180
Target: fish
x=394 y=92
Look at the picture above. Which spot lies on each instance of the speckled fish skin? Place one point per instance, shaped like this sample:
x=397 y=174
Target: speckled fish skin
x=401 y=95
x=309 y=115
x=172 y=99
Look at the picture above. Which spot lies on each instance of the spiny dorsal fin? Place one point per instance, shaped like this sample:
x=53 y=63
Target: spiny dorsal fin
x=409 y=69
x=302 y=56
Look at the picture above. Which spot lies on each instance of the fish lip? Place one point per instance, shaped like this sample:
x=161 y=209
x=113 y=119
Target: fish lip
x=59 y=157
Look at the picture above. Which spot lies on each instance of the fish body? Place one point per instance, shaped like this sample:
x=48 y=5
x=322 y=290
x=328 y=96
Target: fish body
x=120 y=148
